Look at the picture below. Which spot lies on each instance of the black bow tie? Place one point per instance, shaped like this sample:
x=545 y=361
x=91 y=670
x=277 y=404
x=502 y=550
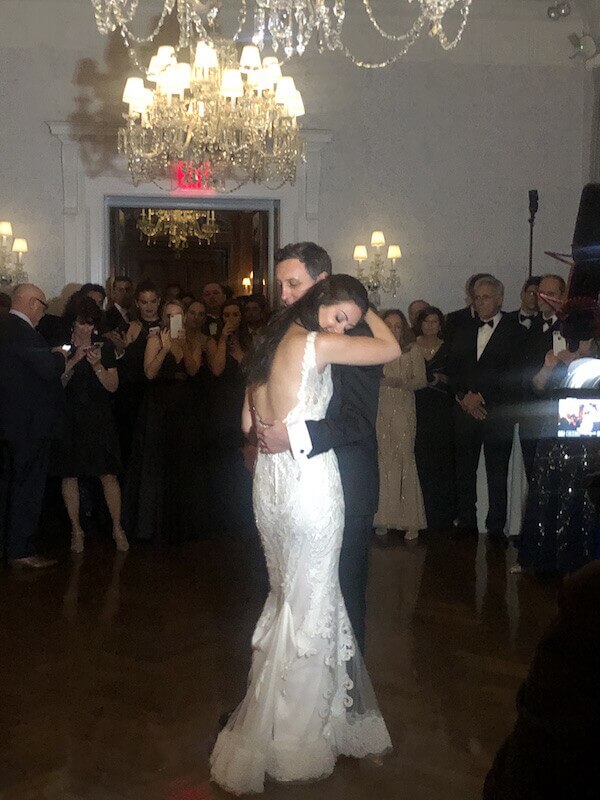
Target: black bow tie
x=481 y=323
x=523 y=317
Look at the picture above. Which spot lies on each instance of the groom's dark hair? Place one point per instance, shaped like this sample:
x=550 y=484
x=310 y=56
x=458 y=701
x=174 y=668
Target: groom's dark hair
x=305 y=311
x=314 y=257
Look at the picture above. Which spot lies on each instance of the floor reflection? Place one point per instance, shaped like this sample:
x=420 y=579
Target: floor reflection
x=116 y=668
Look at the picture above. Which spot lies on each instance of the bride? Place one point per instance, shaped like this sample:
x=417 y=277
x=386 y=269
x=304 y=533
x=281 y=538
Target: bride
x=309 y=697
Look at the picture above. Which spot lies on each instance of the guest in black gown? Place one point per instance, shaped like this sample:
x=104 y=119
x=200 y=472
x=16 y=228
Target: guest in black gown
x=151 y=507
x=227 y=476
x=560 y=529
x=132 y=380
x=434 y=444
x=89 y=446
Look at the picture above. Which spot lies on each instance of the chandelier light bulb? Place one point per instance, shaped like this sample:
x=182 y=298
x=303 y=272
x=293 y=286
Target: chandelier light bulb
x=360 y=253
x=134 y=89
x=250 y=58
x=394 y=252
x=295 y=106
x=206 y=57
x=272 y=64
x=232 y=84
x=165 y=55
x=285 y=90
x=377 y=239
x=142 y=103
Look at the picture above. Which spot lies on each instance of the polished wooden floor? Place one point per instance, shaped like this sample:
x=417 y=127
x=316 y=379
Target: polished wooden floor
x=114 y=668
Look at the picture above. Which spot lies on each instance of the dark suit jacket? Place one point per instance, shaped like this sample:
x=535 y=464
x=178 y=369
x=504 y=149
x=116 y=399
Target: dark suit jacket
x=514 y=315
x=113 y=321
x=497 y=374
x=552 y=754
x=456 y=321
x=349 y=428
x=31 y=395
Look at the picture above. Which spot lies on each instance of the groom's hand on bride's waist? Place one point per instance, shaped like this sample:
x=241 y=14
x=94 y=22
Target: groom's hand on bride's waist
x=273 y=438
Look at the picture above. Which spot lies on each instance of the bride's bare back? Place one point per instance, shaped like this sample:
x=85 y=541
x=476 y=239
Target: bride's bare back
x=274 y=399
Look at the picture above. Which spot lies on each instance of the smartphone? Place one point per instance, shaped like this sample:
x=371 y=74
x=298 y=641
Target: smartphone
x=66 y=348
x=559 y=343
x=175 y=325
x=154 y=330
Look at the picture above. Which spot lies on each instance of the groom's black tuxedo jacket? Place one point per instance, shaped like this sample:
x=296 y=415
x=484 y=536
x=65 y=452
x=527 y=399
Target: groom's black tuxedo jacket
x=497 y=374
x=349 y=428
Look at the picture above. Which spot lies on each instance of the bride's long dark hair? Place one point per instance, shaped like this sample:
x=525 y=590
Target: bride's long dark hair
x=328 y=292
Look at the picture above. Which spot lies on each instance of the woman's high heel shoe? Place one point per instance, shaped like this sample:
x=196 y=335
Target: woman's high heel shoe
x=77 y=541
x=121 y=540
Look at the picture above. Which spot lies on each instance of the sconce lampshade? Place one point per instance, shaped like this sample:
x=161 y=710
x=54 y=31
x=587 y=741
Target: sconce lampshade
x=377 y=239
x=19 y=246
x=360 y=253
x=206 y=56
x=5 y=228
x=246 y=282
x=394 y=251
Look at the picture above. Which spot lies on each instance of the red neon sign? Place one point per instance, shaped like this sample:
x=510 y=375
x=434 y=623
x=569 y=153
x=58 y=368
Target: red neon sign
x=193 y=176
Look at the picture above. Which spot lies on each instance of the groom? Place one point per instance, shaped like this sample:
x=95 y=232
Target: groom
x=348 y=428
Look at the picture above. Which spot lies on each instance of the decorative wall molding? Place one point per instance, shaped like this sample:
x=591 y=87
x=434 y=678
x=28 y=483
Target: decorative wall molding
x=85 y=232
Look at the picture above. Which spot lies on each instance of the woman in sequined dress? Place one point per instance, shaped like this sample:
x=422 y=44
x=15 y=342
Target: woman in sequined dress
x=400 y=498
x=560 y=529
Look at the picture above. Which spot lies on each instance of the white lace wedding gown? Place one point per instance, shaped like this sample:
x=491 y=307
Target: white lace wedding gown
x=309 y=697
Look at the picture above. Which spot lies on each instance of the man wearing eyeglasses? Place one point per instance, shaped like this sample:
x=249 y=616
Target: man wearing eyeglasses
x=30 y=415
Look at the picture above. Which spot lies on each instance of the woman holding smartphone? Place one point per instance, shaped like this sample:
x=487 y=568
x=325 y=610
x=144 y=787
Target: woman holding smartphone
x=90 y=445
x=153 y=479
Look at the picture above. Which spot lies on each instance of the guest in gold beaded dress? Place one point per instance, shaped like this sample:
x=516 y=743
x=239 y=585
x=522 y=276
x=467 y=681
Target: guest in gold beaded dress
x=400 y=498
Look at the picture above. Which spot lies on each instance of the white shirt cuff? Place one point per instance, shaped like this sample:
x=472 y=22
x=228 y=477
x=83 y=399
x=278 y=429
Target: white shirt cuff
x=300 y=442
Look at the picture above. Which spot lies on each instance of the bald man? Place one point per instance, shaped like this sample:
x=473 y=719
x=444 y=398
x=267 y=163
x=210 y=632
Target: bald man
x=30 y=412
x=213 y=297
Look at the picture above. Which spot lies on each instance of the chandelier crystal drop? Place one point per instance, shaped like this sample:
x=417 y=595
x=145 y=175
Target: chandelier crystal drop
x=230 y=119
x=288 y=26
x=179 y=226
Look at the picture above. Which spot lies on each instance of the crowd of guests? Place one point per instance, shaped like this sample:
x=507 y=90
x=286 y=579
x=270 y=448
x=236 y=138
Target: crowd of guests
x=152 y=389
x=145 y=395
x=462 y=383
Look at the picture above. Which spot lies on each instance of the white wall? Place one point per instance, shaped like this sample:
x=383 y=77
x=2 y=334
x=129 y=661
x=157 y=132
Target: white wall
x=439 y=150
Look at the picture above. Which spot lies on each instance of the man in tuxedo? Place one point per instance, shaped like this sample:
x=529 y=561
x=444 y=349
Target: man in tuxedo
x=464 y=317
x=30 y=412
x=529 y=310
x=213 y=297
x=117 y=318
x=349 y=428
x=414 y=309
x=539 y=341
x=484 y=376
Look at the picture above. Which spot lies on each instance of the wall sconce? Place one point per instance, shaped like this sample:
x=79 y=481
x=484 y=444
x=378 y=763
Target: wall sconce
x=11 y=257
x=375 y=277
x=247 y=285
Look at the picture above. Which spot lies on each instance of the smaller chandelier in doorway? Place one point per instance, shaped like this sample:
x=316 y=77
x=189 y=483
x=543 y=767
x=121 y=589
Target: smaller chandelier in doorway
x=179 y=226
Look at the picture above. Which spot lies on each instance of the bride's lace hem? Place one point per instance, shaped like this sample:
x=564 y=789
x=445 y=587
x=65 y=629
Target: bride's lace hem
x=240 y=765
x=360 y=735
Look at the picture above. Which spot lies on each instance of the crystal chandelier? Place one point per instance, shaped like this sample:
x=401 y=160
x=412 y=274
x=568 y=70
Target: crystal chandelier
x=11 y=257
x=236 y=120
x=178 y=225
x=289 y=25
x=376 y=278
